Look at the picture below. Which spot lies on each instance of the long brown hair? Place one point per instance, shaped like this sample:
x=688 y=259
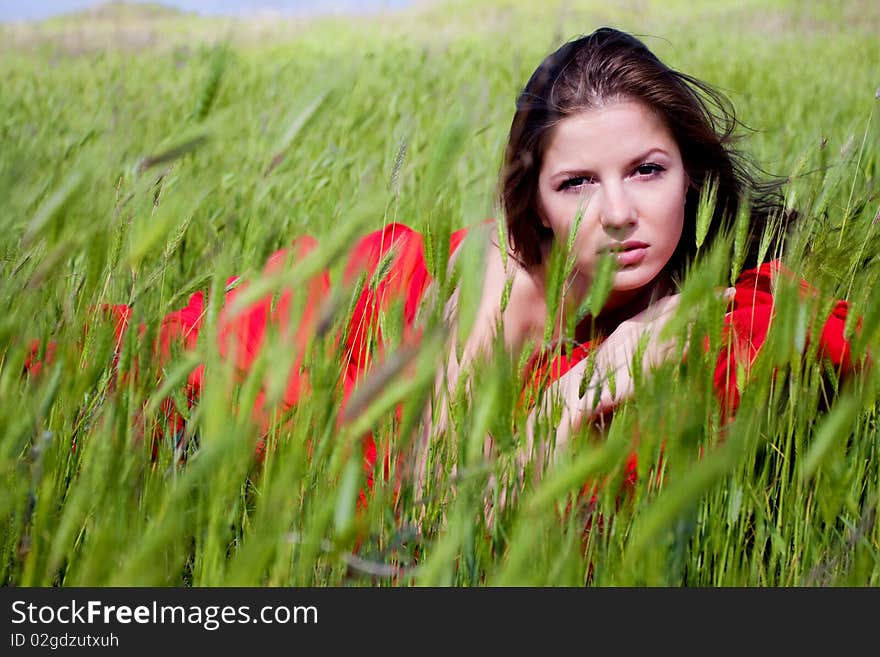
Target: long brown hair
x=607 y=66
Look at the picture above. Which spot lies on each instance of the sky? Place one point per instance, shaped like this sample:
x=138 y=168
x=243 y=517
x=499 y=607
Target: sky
x=28 y=10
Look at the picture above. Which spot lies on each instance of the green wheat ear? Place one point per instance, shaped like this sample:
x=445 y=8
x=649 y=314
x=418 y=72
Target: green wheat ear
x=705 y=210
x=740 y=239
x=211 y=87
x=297 y=122
x=54 y=208
x=771 y=229
x=560 y=266
x=601 y=286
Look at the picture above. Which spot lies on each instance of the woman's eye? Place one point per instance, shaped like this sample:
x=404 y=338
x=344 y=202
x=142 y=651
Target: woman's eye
x=648 y=169
x=577 y=181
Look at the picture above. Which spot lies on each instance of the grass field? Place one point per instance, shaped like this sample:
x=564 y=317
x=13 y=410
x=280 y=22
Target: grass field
x=147 y=155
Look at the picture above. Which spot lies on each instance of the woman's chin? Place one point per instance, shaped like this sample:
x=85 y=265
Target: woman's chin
x=631 y=279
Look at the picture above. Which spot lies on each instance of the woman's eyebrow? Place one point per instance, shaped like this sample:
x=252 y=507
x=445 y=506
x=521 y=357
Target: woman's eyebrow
x=570 y=171
x=656 y=150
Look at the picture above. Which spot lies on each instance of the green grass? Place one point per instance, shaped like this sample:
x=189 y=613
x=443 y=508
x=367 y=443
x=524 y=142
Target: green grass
x=141 y=171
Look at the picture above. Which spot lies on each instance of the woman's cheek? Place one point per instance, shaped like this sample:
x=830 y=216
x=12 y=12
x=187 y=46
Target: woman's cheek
x=586 y=250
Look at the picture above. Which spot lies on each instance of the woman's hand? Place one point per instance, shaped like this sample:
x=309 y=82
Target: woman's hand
x=611 y=381
x=610 y=371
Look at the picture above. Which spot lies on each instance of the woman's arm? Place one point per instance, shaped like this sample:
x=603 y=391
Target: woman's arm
x=610 y=370
x=519 y=319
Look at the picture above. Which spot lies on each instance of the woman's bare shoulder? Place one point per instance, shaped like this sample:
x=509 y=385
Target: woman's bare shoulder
x=514 y=292
x=510 y=295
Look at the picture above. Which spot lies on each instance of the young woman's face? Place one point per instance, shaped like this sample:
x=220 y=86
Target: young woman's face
x=619 y=165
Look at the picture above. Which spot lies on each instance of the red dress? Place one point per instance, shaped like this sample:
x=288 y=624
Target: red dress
x=241 y=336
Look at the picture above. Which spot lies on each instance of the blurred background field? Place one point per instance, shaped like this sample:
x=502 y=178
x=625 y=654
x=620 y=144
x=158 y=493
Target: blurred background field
x=149 y=153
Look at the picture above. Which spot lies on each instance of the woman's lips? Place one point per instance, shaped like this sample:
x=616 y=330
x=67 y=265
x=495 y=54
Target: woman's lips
x=629 y=253
x=631 y=256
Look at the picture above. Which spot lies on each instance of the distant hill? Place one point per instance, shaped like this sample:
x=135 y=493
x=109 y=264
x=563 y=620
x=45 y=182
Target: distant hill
x=118 y=10
x=133 y=26
x=113 y=25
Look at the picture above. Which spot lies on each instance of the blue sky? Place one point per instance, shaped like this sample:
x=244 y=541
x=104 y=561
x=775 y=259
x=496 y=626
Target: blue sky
x=18 y=10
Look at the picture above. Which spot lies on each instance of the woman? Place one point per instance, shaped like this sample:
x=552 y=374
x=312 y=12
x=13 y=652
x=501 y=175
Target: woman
x=609 y=154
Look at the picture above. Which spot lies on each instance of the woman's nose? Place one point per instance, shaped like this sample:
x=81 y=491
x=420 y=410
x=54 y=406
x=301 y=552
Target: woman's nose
x=618 y=212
